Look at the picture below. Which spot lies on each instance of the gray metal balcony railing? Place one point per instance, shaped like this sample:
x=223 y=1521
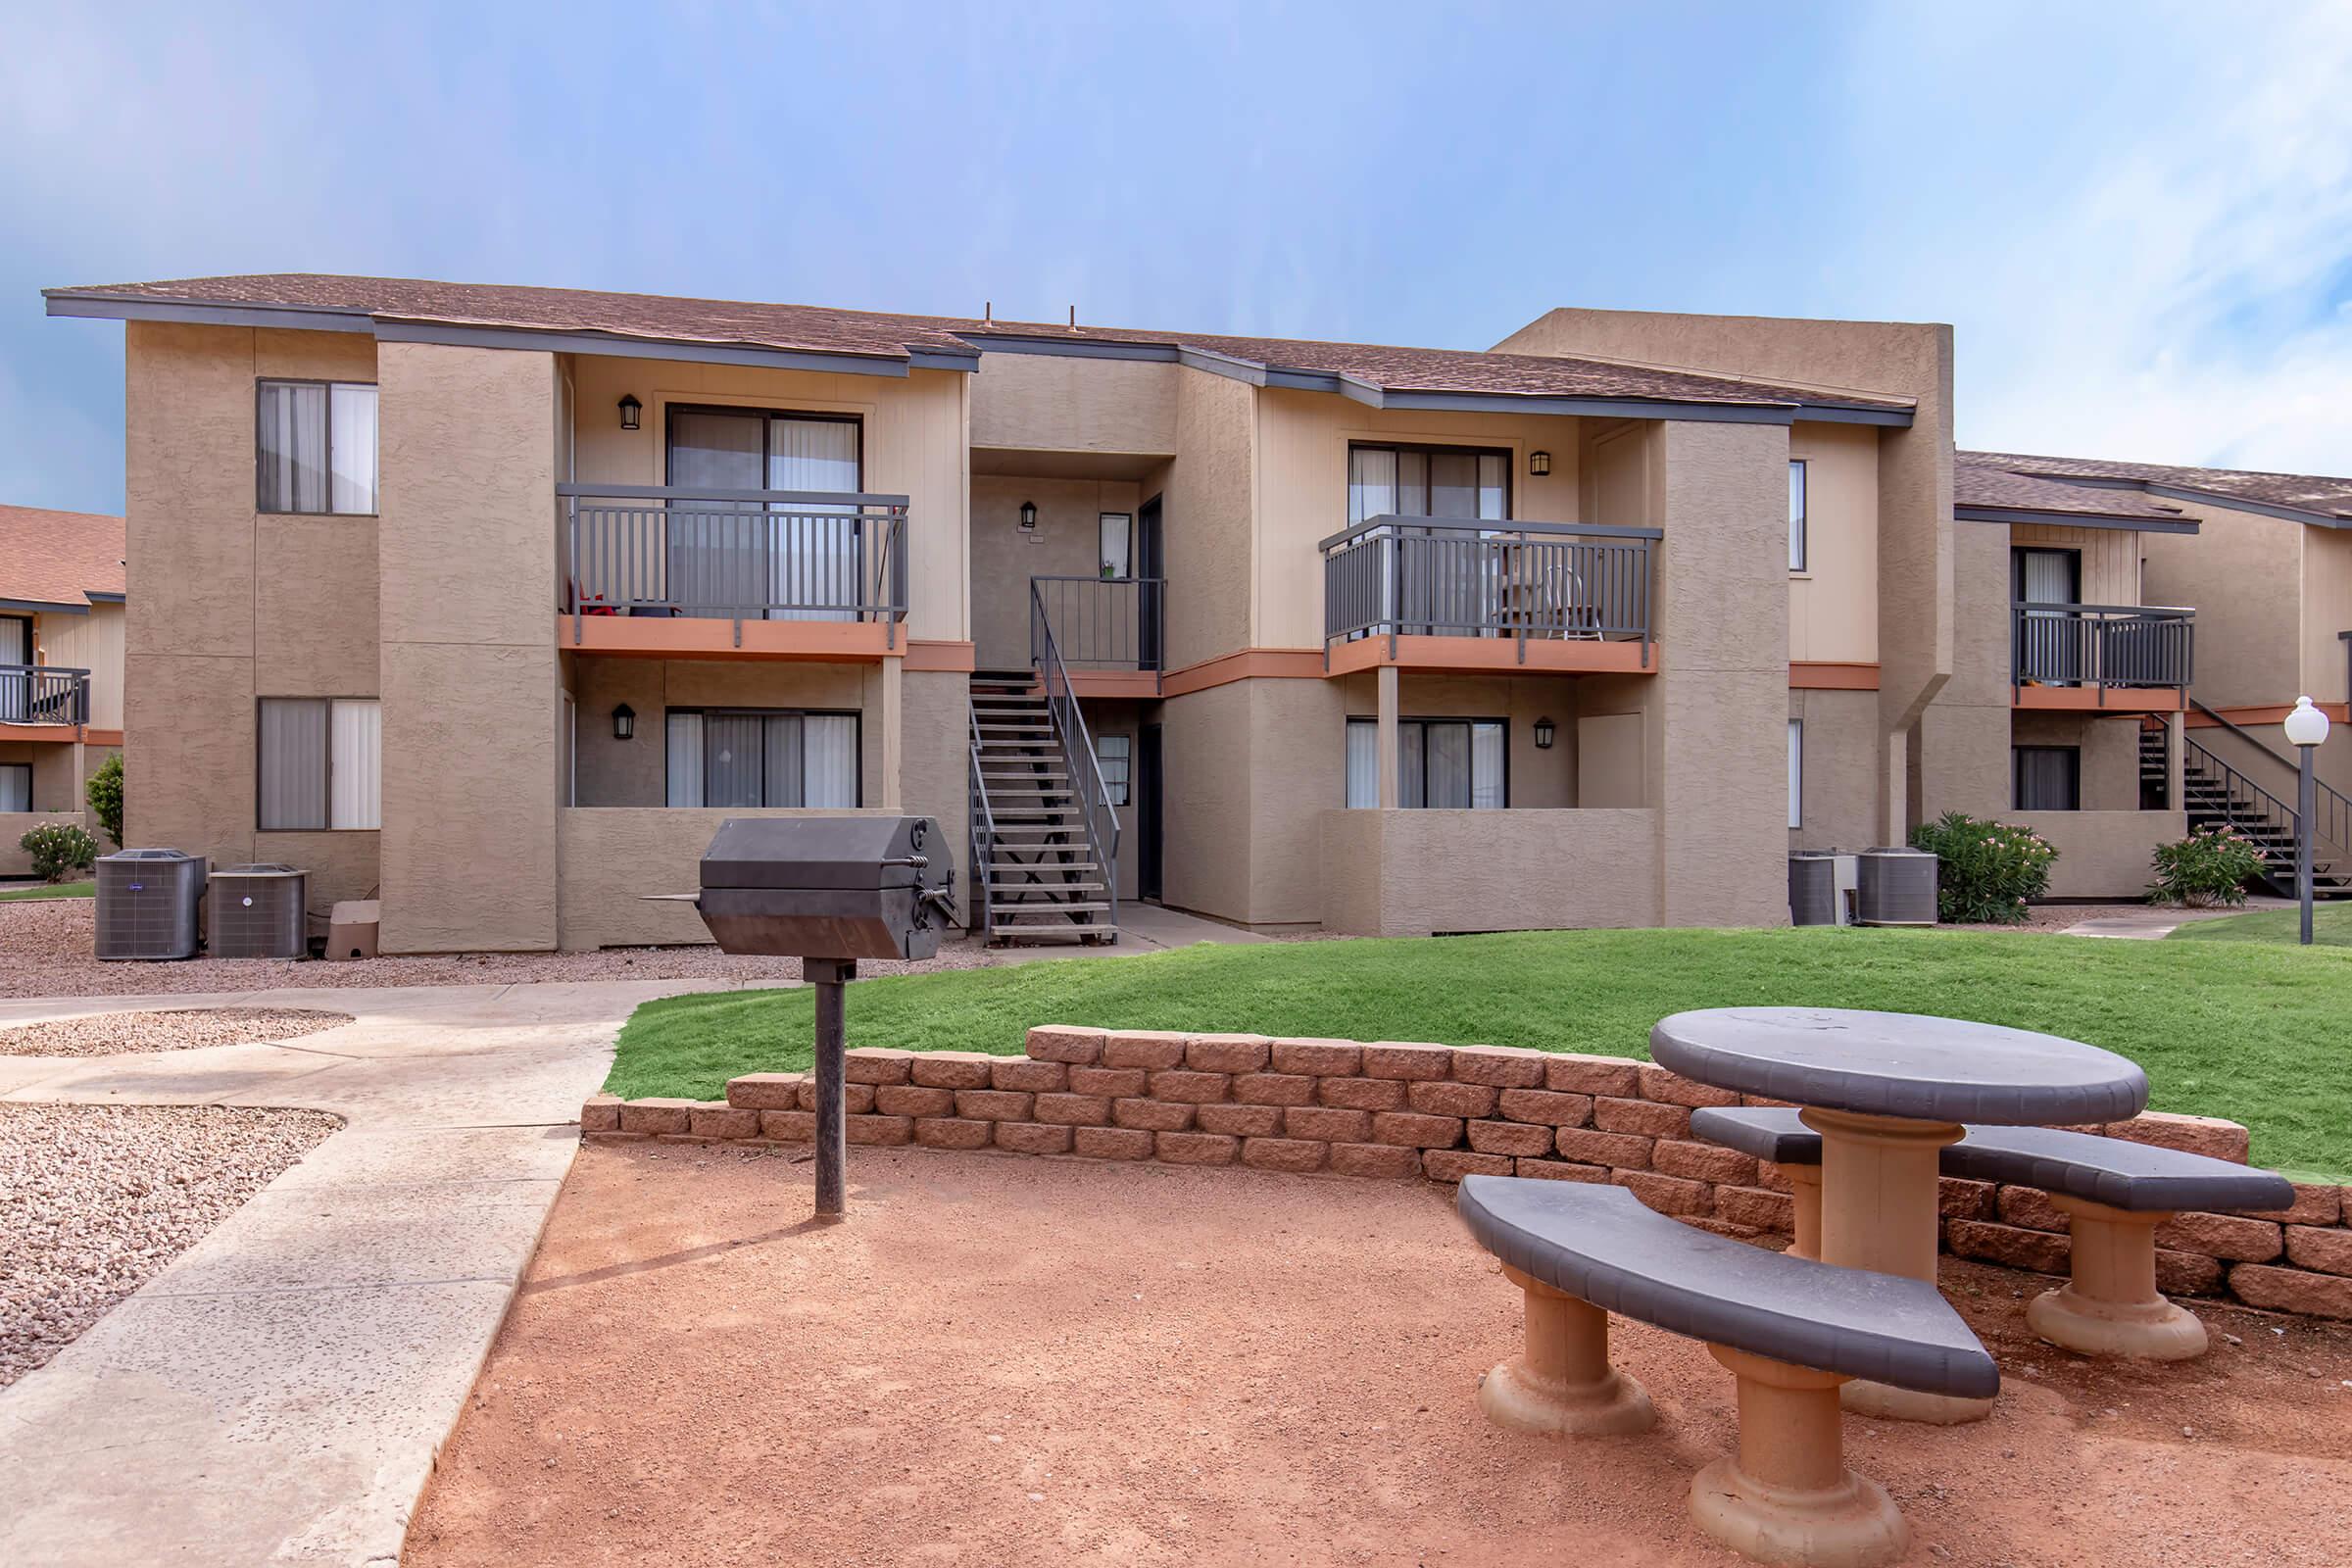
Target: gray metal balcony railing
x=1473 y=578
x=44 y=694
x=1099 y=622
x=734 y=555
x=2101 y=646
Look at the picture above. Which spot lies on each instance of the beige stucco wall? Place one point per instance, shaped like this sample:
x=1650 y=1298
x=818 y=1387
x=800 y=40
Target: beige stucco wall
x=1046 y=402
x=1962 y=759
x=1066 y=542
x=612 y=857
x=91 y=642
x=470 y=687
x=2326 y=614
x=2238 y=573
x=1205 y=801
x=914 y=445
x=1838 y=793
x=2101 y=855
x=1413 y=873
x=1302 y=488
x=1210 y=501
x=1833 y=603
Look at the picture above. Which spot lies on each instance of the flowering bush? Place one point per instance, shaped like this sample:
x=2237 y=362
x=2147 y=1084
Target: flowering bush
x=1985 y=870
x=58 y=848
x=2212 y=865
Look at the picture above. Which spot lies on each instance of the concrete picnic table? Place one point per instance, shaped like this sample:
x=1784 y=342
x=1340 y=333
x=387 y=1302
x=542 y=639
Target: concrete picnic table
x=1886 y=1091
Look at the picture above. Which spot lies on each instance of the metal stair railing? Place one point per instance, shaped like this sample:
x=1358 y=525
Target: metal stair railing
x=1100 y=816
x=2262 y=804
x=982 y=818
x=2332 y=812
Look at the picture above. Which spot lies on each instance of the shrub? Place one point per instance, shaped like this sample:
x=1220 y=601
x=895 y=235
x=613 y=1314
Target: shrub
x=58 y=848
x=2212 y=865
x=105 y=790
x=1986 y=871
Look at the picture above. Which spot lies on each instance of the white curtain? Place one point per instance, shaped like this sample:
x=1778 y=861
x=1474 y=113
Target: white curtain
x=1371 y=484
x=683 y=738
x=1486 y=770
x=291 y=782
x=16 y=786
x=829 y=760
x=355 y=748
x=817 y=551
x=734 y=756
x=16 y=648
x=1449 y=777
x=1797 y=772
x=351 y=443
x=291 y=444
x=1364 y=763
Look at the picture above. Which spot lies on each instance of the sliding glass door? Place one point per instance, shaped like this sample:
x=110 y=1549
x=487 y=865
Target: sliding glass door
x=2049 y=641
x=15 y=688
x=794 y=560
x=1445 y=582
x=1442 y=764
x=742 y=758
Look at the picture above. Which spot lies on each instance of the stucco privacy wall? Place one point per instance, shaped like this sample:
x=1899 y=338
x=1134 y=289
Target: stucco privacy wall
x=2102 y=854
x=612 y=857
x=1417 y=872
x=1916 y=616
x=227 y=605
x=912 y=445
x=1349 y=1109
x=1206 y=828
x=472 y=699
x=13 y=825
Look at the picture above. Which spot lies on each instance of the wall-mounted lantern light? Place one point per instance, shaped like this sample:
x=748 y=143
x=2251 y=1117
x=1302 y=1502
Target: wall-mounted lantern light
x=624 y=722
x=1538 y=464
x=1028 y=516
x=630 y=408
x=1543 y=734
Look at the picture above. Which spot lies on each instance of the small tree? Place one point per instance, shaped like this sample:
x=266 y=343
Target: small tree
x=105 y=790
x=1987 y=871
x=58 y=848
x=2212 y=865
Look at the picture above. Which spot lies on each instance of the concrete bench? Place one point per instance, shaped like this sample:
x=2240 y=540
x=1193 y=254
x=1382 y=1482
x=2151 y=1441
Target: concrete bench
x=1789 y=1330
x=2114 y=1191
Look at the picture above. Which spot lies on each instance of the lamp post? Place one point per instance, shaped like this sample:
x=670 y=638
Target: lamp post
x=2306 y=728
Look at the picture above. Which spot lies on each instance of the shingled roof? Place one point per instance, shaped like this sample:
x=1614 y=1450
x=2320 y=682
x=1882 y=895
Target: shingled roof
x=818 y=330
x=2325 y=499
x=60 y=557
x=1983 y=486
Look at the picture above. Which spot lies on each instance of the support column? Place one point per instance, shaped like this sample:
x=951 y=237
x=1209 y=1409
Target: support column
x=2111 y=1306
x=894 y=733
x=1562 y=1384
x=1789 y=1497
x=1391 y=685
x=2175 y=760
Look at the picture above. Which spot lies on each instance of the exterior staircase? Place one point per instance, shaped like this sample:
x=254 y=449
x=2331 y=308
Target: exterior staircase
x=2217 y=795
x=1041 y=872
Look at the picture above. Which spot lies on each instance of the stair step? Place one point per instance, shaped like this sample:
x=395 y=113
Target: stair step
x=1044 y=865
x=1047 y=909
x=995 y=889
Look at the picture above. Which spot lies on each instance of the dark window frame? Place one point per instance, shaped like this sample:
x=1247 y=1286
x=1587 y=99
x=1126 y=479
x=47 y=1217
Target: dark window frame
x=1126 y=783
x=328 y=796
x=1800 y=520
x=670 y=440
x=1796 y=766
x=328 y=446
x=856 y=716
x=1510 y=477
x=1425 y=719
x=2017 y=776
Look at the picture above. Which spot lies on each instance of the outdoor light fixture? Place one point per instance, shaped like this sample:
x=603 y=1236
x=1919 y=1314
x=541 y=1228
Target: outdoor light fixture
x=1538 y=464
x=630 y=408
x=624 y=722
x=1543 y=734
x=2305 y=727
x=1028 y=516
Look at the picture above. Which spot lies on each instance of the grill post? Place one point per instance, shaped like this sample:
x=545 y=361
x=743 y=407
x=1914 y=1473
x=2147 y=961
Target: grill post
x=828 y=975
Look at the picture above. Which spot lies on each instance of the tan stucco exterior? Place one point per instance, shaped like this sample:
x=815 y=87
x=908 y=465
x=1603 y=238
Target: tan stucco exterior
x=2102 y=854
x=1414 y=873
x=1066 y=542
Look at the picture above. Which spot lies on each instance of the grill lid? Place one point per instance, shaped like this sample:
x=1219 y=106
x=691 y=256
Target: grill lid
x=821 y=852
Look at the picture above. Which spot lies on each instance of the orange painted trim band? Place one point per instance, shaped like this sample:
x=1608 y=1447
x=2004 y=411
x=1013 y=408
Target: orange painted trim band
x=951 y=657
x=1115 y=683
x=102 y=736
x=2083 y=700
x=686 y=637
x=1250 y=663
x=2267 y=713
x=1496 y=655
x=1811 y=676
x=39 y=734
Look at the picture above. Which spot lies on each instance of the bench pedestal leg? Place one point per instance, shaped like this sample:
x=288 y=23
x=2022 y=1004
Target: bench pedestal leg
x=2112 y=1307
x=1788 y=1497
x=1805 y=1185
x=1562 y=1384
x=1880 y=1192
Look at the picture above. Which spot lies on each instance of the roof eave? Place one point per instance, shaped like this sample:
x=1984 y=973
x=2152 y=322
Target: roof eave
x=2038 y=516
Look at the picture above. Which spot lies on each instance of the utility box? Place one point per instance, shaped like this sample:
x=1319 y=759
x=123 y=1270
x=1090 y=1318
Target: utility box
x=148 y=904
x=351 y=931
x=258 y=911
x=1897 y=887
x=1813 y=889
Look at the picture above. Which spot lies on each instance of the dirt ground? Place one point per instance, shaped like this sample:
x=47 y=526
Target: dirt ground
x=1005 y=1360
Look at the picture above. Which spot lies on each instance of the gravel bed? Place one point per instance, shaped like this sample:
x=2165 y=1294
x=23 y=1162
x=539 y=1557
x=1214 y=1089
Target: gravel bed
x=117 y=1034
x=95 y=1199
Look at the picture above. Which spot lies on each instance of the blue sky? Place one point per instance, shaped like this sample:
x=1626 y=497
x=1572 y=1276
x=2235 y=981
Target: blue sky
x=2138 y=220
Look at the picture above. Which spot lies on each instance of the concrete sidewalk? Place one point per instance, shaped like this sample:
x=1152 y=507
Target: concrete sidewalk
x=278 y=1393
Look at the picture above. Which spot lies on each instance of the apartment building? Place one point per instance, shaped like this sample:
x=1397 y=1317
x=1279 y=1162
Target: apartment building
x=61 y=667
x=500 y=599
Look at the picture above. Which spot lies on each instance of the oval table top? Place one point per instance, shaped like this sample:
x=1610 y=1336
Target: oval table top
x=1901 y=1064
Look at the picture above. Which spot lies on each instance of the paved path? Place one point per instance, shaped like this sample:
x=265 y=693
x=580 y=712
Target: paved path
x=2158 y=921
x=278 y=1393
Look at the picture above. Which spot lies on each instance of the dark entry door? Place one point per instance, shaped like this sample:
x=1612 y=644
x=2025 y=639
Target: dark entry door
x=1149 y=568
x=1146 y=814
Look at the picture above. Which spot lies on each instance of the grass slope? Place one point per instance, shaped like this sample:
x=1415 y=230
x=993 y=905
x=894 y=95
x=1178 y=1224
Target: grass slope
x=2250 y=1033
x=59 y=889
x=2330 y=927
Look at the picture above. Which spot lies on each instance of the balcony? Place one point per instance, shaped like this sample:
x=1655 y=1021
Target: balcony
x=2119 y=658
x=44 y=695
x=790 y=574
x=1107 y=631
x=1439 y=593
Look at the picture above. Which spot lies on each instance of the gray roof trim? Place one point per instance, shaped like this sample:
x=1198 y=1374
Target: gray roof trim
x=1593 y=408
x=2182 y=492
x=2073 y=519
x=1847 y=413
x=108 y=307
x=97 y=597
x=45 y=606
x=1231 y=366
x=397 y=330
x=1069 y=348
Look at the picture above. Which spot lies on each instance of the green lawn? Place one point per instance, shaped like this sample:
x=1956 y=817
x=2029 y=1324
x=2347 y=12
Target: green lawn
x=2251 y=1033
x=2330 y=927
x=59 y=889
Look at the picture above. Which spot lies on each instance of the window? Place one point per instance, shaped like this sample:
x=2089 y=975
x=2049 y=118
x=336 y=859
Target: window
x=16 y=685
x=2047 y=778
x=1797 y=772
x=1428 y=482
x=315 y=446
x=1441 y=764
x=319 y=765
x=1118 y=530
x=16 y=786
x=1796 y=515
x=753 y=757
x=803 y=563
x=1112 y=755
x=2051 y=644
